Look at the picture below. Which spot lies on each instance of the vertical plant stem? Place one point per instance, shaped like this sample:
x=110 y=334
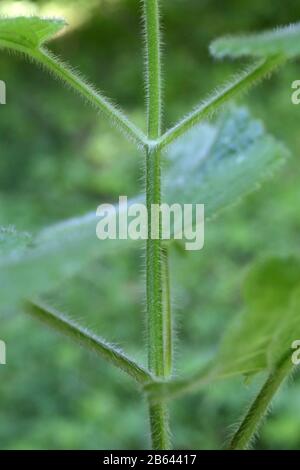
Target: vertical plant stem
x=154 y=293
x=153 y=68
x=159 y=426
x=154 y=266
x=154 y=263
x=251 y=422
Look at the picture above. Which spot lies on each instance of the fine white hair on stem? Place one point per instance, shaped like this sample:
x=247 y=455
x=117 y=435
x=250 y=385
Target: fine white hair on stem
x=76 y=82
x=152 y=71
x=86 y=338
x=238 y=84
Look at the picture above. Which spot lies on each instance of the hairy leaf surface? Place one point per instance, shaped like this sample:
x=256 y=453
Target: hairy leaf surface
x=283 y=41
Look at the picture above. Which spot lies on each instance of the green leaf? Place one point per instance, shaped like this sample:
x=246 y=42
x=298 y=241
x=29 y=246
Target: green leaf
x=54 y=254
x=217 y=165
x=283 y=41
x=289 y=330
x=27 y=33
x=214 y=165
x=264 y=332
x=12 y=241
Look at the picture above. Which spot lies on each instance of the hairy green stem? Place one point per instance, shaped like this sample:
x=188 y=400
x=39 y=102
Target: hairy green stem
x=153 y=68
x=154 y=263
x=251 y=422
x=87 y=339
x=100 y=102
x=239 y=84
x=159 y=420
x=154 y=293
x=154 y=287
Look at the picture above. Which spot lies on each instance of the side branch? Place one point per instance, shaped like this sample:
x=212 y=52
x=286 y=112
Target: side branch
x=88 y=340
x=100 y=102
x=253 y=419
x=239 y=84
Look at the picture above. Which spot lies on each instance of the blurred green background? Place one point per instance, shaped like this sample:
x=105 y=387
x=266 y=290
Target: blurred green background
x=58 y=159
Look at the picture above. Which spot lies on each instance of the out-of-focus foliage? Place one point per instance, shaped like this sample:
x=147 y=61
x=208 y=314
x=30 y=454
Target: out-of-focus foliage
x=215 y=165
x=260 y=337
x=12 y=241
x=58 y=161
